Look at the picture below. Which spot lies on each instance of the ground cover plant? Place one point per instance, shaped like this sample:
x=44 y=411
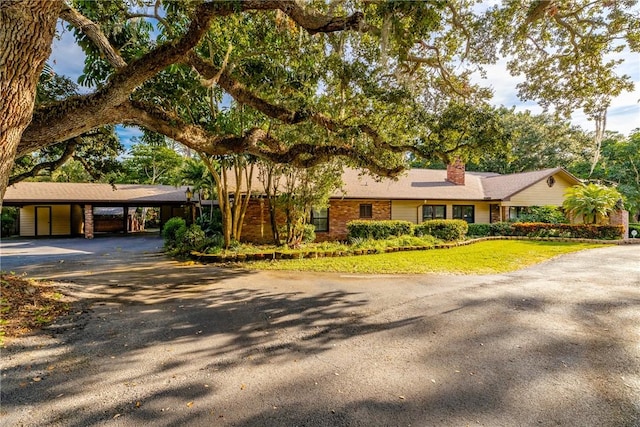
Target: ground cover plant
x=487 y=257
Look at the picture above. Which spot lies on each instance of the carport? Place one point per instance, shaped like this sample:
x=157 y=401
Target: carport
x=74 y=209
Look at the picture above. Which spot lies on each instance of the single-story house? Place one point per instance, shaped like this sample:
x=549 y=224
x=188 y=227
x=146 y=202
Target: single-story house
x=75 y=209
x=423 y=194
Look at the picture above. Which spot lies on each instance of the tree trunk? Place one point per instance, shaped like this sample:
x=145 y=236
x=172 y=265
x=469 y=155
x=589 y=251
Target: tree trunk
x=26 y=33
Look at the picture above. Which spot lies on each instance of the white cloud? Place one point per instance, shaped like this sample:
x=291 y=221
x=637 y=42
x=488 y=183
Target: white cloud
x=623 y=115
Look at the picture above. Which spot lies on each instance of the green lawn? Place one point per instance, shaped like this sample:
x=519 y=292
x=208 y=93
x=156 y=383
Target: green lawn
x=488 y=257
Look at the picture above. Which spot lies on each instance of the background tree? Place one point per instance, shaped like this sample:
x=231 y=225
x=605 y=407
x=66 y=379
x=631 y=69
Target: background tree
x=534 y=142
x=618 y=165
x=359 y=76
x=151 y=163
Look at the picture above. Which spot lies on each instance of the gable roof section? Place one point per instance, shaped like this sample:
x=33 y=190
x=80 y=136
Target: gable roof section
x=93 y=193
x=413 y=184
x=502 y=187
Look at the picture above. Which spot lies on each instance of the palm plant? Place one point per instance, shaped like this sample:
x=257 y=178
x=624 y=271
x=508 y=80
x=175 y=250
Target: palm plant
x=593 y=202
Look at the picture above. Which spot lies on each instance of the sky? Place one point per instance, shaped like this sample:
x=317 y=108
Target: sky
x=623 y=115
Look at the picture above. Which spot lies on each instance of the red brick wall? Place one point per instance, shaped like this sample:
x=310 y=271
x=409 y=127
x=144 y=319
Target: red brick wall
x=455 y=172
x=620 y=217
x=88 y=222
x=257 y=228
x=343 y=211
x=257 y=225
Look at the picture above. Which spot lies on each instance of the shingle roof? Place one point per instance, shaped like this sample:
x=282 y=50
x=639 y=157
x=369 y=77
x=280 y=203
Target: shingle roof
x=63 y=192
x=413 y=184
x=501 y=187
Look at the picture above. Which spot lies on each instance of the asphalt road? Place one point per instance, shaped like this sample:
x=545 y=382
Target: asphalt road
x=153 y=341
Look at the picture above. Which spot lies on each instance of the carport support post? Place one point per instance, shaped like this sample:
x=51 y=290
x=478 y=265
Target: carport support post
x=88 y=222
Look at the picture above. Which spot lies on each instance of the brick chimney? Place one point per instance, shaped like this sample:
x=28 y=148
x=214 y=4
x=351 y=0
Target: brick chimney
x=455 y=172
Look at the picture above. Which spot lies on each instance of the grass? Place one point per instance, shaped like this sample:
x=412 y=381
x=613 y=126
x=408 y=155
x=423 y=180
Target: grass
x=481 y=258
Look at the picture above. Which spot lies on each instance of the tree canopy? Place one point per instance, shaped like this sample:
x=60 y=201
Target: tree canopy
x=368 y=81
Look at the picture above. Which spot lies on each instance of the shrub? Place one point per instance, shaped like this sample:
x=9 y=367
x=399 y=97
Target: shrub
x=308 y=233
x=8 y=219
x=576 y=231
x=170 y=231
x=211 y=225
x=634 y=227
x=190 y=239
x=378 y=229
x=546 y=214
x=479 y=230
x=443 y=229
x=501 y=229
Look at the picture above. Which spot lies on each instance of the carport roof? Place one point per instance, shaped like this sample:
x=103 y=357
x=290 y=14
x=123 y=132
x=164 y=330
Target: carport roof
x=24 y=193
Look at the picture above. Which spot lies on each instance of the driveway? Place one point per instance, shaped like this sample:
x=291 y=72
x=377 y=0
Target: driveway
x=154 y=341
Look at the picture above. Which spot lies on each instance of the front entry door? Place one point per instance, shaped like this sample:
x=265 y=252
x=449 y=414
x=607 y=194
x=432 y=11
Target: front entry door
x=43 y=220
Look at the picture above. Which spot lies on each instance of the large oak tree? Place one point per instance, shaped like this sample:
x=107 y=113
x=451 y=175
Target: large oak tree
x=363 y=80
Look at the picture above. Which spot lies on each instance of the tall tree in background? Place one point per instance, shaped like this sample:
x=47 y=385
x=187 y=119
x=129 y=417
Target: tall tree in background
x=360 y=75
x=534 y=142
x=619 y=165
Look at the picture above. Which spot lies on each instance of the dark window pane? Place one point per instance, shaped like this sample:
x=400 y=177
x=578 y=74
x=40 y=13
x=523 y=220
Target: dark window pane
x=320 y=219
x=433 y=212
x=465 y=212
x=366 y=211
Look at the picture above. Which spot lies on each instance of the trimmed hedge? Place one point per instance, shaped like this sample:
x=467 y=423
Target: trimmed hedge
x=443 y=229
x=634 y=227
x=479 y=230
x=378 y=230
x=539 y=229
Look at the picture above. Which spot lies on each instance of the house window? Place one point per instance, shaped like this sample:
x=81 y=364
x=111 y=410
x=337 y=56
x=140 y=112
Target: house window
x=516 y=212
x=433 y=212
x=320 y=219
x=466 y=212
x=366 y=210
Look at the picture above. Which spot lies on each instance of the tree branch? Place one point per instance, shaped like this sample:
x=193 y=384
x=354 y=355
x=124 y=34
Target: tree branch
x=312 y=22
x=92 y=30
x=256 y=141
x=52 y=165
x=74 y=116
x=244 y=96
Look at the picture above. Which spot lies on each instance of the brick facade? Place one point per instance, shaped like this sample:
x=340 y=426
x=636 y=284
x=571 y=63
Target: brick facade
x=455 y=172
x=620 y=217
x=343 y=211
x=88 y=222
x=257 y=227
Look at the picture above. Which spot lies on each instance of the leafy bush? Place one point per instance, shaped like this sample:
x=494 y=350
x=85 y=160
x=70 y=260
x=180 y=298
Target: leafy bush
x=211 y=225
x=308 y=233
x=443 y=229
x=546 y=214
x=170 y=231
x=501 y=229
x=634 y=227
x=8 y=219
x=576 y=231
x=378 y=229
x=190 y=239
x=479 y=230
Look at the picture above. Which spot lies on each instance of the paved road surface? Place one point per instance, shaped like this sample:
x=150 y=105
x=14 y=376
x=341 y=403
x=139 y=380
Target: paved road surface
x=157 y=342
